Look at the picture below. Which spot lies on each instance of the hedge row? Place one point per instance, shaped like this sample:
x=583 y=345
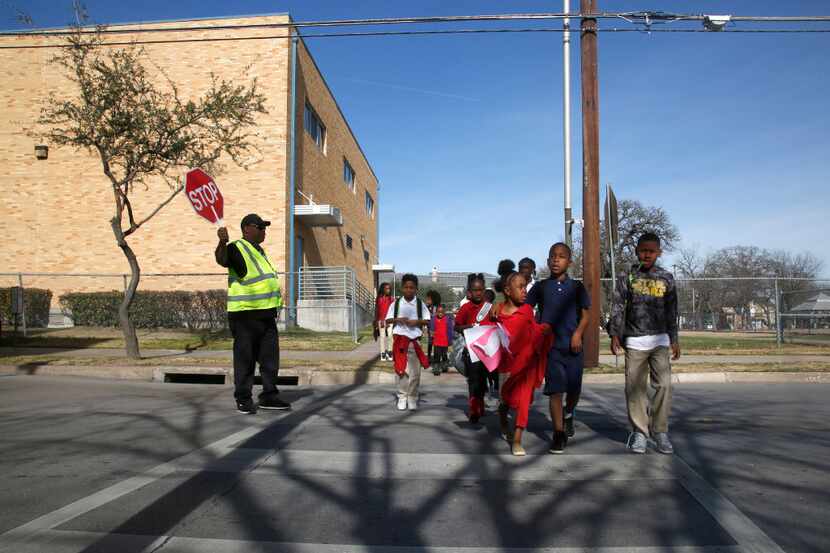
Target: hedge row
x=150 y=309
x=36 y=302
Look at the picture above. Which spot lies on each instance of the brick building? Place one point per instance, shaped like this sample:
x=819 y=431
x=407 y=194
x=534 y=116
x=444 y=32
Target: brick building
x=54 y=217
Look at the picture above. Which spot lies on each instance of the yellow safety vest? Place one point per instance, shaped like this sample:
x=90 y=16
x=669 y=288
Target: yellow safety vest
x=260 y=289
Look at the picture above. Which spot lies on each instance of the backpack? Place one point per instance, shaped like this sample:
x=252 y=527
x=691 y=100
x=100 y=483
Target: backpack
x=420 y=308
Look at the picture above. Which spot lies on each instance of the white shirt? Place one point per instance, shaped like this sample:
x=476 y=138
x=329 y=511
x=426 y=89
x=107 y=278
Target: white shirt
x=530 y=284
x=647 y=343
x=408 y=310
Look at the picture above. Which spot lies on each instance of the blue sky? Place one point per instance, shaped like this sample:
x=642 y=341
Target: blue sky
x=728 y=133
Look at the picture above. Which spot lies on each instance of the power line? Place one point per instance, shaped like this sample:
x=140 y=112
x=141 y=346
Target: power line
x=645 y=17
x=419 y=33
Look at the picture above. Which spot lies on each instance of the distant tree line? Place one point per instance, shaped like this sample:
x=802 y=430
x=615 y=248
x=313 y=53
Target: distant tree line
x=744 y=301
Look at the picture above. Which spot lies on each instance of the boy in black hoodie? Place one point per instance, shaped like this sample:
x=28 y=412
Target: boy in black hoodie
x=644 y=325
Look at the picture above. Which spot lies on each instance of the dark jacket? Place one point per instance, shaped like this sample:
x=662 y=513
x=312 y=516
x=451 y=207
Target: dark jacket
x=645 y=303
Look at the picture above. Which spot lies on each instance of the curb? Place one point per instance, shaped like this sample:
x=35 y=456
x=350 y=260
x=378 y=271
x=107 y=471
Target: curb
x=309 y=376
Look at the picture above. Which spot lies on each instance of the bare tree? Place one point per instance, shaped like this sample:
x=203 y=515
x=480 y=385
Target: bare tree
x=144 y=133
x=20 y=16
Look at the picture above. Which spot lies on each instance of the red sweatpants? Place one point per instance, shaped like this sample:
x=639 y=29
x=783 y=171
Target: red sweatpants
x=517 y=393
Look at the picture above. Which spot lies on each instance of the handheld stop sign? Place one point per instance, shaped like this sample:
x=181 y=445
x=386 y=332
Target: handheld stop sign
x=204 y=196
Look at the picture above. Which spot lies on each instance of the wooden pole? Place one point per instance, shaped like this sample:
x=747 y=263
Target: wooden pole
x=590 y=178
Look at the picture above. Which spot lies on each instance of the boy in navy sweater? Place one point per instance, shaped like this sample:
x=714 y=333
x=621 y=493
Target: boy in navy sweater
x=563 y=304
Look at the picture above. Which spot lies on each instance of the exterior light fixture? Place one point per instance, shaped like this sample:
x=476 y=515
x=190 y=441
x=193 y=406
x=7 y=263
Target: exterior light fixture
x=42 y=151
x=716 y=22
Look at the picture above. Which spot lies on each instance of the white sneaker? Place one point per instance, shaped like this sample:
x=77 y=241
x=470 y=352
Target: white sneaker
x=412 y=403
x=401 y=404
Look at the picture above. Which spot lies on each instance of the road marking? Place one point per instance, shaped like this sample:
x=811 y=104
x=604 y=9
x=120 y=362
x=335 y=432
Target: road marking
x=25 y=532
x=69 y=541
x=14 y=539
x=745 y=532
x=437 y=466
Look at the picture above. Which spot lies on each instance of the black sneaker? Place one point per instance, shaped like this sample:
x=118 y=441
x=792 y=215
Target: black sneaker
x=569 y=426
x=246 y=406
x=560 y=440
x=273 y=404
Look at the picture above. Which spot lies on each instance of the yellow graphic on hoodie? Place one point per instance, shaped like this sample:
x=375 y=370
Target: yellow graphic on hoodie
x=647 y=287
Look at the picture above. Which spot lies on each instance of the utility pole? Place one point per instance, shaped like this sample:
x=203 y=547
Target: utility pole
x=566 y=120
x=590 y=178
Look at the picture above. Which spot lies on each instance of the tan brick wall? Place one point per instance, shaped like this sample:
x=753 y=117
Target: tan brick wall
x=320 y=174
x=54 y=214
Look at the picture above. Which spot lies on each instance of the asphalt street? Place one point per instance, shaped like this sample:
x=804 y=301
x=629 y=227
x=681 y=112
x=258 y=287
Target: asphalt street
x=97 y=465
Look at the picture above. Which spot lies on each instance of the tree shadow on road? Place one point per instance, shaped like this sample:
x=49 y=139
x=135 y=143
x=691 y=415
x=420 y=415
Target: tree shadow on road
x=484 y=497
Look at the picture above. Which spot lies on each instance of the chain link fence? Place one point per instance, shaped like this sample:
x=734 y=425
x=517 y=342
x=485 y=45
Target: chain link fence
x=781 y=306
x=327 y=299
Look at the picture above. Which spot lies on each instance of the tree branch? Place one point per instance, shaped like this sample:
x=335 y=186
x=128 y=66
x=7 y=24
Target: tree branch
x=156 y=210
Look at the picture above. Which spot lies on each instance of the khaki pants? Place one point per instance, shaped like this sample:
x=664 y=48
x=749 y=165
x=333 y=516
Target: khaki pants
x=411 y=379
x=384 y=340
x=639 y=366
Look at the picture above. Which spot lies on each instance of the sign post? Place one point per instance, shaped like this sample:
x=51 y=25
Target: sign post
x=204 y=196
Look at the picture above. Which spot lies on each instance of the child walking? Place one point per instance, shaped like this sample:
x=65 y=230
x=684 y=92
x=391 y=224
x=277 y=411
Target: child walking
x=442 y=330
x=527 y=267
x=408 y=315
x=382 y=330
x=562 y=303
x=529 y=342
x=644 y=319
x=475 y=312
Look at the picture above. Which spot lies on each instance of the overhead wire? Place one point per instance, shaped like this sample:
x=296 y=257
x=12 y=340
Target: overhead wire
x=631 y=16
x=643 y=21
x=413 y=33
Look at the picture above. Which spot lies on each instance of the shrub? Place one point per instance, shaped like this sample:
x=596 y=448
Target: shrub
x=36 y=301
x=150 y=309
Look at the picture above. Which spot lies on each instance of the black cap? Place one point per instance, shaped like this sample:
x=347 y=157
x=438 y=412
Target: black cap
x=254 y=219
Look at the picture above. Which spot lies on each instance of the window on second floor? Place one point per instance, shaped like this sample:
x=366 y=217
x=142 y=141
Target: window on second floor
x=370 y=205
x=348 y=241
x=348 y=175
x=314 y=127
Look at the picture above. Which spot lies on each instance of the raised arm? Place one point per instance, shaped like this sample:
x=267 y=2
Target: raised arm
x=221 y=252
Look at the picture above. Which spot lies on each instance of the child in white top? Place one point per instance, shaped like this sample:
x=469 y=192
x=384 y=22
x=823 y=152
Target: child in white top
x=408 y=315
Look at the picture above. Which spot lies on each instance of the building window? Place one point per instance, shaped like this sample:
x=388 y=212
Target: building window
x=370 y=205
x=314 y=127
x=348 y=175
x=348 y=241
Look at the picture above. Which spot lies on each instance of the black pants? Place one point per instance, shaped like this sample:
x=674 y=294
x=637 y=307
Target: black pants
x=493 y=379
x=476 y=377
x=440 y=362
x=255 y=341
x=429 y=351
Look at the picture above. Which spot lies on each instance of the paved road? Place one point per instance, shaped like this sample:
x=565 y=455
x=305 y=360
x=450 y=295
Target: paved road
x=96 y=465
